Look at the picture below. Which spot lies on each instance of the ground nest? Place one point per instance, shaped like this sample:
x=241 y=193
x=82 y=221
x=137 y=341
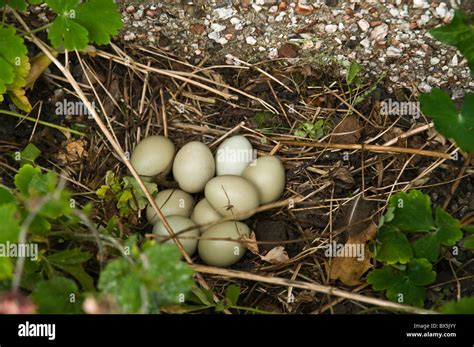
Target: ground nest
x=338 y=178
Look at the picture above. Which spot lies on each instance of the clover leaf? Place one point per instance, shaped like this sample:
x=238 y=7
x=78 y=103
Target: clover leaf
x=77 y=24
x=404 y=286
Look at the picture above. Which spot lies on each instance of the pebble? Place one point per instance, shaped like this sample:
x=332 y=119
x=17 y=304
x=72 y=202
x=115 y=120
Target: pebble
x=250 y=40
x=434 y=61
x=379 y=33
x=330 y=28
x=394 y=52
x=363 y=24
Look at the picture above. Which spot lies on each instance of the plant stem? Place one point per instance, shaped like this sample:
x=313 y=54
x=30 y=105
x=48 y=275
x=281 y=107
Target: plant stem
x=51 y=125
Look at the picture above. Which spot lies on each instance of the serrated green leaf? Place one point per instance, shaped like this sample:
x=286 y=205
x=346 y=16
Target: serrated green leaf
x=407 y=293
x=420 y=272
x=384 y=278
x=394 y=246
x=447 y=233
x=412 y=211
x=448 y=228
x=24 y=176
x=54 y=296
x=447 y=120
x=101 y=30
x=76 y=24
x=78 y=272
x=404 y=286
x=158 y=271
x=29 y=154
x=39 y=225
x=14 y=65
x=463 y=306
x=10 y=223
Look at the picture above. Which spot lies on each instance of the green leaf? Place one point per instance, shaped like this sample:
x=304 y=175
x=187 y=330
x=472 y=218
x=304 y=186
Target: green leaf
x=24 y=176
x=76 y=24
x=69 y=257
x=458 y=33
x=448 y=228
x=469 y=242
x=468 y=228
x=412 y=211
x=157 y=272
x=6 y=195
x=10 y=228
x=447 y=120
x=19 y=5
x=6 y=268
x=427 y=247
x=29 y=154
x=394 y=246
x=447 y=233
x=420 y=272
x=14 y=64
x=232 y=294
x=384 y=278
x=78 y=272
x=57 y=296
x=463 y=306
x=353 y=72
x=404 y=286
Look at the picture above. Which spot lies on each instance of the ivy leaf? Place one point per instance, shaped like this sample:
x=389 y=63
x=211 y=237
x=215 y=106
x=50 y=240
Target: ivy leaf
x=404 y=286
x=412 y=211
x=447 y=120
x=448 y=232
x=14 y=64
x=463 y=306
x=394 y=246
x=58 y=295
x=76 y=24
x=458 y=33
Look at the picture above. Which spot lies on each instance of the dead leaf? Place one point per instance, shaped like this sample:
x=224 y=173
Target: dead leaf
x=251 y=243
x=342 y=177
x=349 y=269
x=38 y=64
x=347 y=131
x=276 y=255
x=74 y=151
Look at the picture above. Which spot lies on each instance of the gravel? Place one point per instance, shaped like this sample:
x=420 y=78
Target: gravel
x=383 y=36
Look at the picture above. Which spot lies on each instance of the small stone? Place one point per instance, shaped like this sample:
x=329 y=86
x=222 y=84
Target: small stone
x=454 y=61
x=424 y=87
x=394 y=52
x=223 y=12
x=130 y=9
x=379 y=33
x=138 y=15
x=304 y=9
x=365 y=43
x=330 y=28
x=129 y=37
x=434 y=61
x=151 y=13
x=441 y=10
x=288 y=50
x=394 y=12
x=420 y=4
x=250 y=40
x=198 y=29
x=363 y=25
